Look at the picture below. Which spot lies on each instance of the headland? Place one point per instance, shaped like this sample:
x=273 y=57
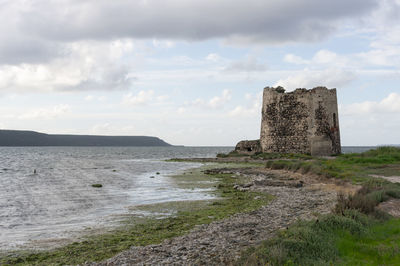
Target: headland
x=32 y=138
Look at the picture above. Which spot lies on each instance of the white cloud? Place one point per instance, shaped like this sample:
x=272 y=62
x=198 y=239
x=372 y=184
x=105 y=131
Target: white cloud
x=381 y=55
x=383 y=31
x=87 y=65
x=325 y=57
x=165 y=44
x=46 y=113
x=101 y=128
x=183 y=60
x=219 y=101
x=102 y=98
x=371 y=122
x=141 y=98
x=89 y=98
x=181 y=110
x=198 y=102
x=321 y=58
x=390 y=104
x=332 y=77
x=111 y=129
x=162 y=98
x=213 y=57
x=253 y=108
x=215 y=102
x=294 y=59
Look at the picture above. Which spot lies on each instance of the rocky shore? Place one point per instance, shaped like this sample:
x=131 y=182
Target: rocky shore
x=296 y=196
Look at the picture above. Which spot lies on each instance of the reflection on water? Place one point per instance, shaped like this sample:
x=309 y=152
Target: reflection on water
x=59 y=198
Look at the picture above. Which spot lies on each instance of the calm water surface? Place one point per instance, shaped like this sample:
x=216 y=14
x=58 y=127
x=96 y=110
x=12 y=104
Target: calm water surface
x=59 y=199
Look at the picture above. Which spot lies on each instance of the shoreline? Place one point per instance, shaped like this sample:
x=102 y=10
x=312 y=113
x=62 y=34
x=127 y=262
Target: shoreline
x=257 y=200
x=101 y=218
x=222 y=241
x=190 y=178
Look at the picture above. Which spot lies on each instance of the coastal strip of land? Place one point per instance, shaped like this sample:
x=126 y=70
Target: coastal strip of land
x=278 y=209
x=221 y=242
x=324 y=211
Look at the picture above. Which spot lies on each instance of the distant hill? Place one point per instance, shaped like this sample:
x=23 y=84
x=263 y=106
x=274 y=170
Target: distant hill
x=32 y=138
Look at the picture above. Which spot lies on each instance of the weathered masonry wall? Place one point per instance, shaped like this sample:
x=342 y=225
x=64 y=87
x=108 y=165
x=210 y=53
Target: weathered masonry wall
x=302 y=121
x=248 y=146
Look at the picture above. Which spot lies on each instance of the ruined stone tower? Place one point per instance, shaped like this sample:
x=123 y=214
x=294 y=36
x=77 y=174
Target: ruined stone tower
x=302 y=121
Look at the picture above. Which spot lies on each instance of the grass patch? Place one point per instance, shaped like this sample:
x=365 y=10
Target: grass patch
x=266 y=156
x=380 y=245
x=150 y=231
x=385 y=170
x=270 y=156
x=381 y=155
x=355 y=167
x=350 y=239
x=231 y=154
x=356 y=233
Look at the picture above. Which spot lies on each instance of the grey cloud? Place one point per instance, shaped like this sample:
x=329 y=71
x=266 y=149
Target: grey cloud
x=18 y=46
x=267 y=21
x=112 y=78
x=36 y=30
x=26 y=50
x=249 y=64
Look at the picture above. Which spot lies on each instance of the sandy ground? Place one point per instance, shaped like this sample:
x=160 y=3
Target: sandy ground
x=393 y=179
x=391 y=206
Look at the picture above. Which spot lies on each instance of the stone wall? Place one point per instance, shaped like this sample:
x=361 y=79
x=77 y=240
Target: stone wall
x=302 y=121
x=248 y=147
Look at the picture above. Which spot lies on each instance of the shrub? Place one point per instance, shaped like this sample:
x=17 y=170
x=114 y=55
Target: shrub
x=272 y=155
x=358 y=202
x=380 y=155
x=367 y=198
x=231 y=154
x=305 y=168
x=394 y=193
x=269 y=164
x=279 y=165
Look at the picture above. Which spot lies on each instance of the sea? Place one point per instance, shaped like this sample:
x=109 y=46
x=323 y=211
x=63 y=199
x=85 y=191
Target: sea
x=46 y=193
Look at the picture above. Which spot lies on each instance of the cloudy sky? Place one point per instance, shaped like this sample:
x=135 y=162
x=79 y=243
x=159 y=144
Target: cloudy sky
x=192 y=72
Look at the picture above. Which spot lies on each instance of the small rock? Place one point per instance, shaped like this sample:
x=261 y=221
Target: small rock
x=247 y=185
